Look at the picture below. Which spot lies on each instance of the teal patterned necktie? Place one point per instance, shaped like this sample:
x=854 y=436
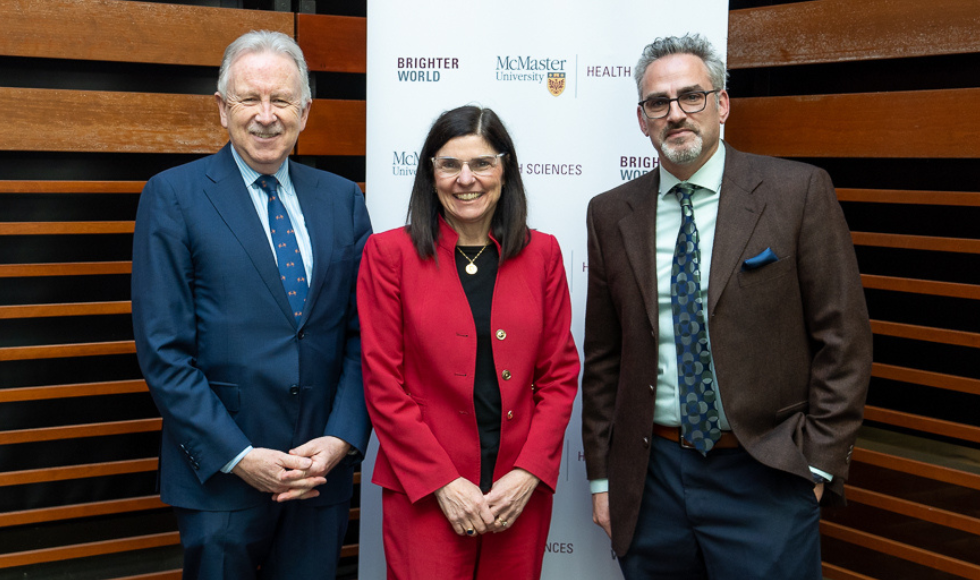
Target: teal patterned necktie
x=695 y=372
x=292 y=271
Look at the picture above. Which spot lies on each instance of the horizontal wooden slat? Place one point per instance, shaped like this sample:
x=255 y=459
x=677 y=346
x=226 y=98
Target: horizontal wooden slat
x=912 y=509
x=953 y=198
x=905 y=242
x=89 y=549
x=127 y=31
x=112 y=122
x=333 y=43
x=840 y=30
x=924 y=424
x=78 y=431
x=65 y=269
x=59 y=228
x=917 y=468
x=896 y=549
x=915 y=286
x=9 y=186
x=68 y=309
x=166 y=575
x=335 y=128
x=67 y=350
x=832 y=572
x=84 y=510
x=859 y=125
x=926 y=333
x=349 y=550
x=926 y=378
x=73 y=390
x=77 y=471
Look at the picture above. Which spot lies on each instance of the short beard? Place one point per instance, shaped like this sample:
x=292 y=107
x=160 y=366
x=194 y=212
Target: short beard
x=684 y=154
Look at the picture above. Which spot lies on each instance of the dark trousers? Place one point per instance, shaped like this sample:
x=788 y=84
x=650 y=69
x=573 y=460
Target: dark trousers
x=723 y=517
x=271 y=541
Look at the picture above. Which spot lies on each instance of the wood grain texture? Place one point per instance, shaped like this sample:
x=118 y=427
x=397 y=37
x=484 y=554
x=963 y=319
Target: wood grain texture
x=67 y=350
x=843 y=30
x=65 y=228
x=88 y=549
x=917 y=468
x=78 y=471
x=84 y=510
x=833 y=572
x=67 y=309
x=906 y=242
x=913 y=509
x=910 y=197
x=926 y=378
x=116 y=30
x=903 y=124
x=901 y=550
x=65 y=269
x=15 y=436
x=926 y=333
x=335 y=127
x=54 y=186
x=915 y=286
x=111 y=122
x=74 y=390
x=333 y=43
x=924 y=424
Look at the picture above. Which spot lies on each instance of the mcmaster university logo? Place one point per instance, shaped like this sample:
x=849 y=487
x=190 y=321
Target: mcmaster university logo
x=556 y=83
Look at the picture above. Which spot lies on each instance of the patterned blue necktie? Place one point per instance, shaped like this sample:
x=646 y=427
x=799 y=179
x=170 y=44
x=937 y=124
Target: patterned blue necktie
x=291 y=267
x=695 y=372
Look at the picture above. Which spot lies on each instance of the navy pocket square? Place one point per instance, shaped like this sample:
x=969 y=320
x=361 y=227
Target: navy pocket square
x=767 y=256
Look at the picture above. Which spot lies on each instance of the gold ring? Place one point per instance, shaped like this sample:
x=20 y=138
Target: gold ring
x=470 y=532
x=503 y=523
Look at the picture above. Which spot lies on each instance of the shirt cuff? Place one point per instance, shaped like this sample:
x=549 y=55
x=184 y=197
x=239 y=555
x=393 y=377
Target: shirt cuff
x=599 y=485
x=231 y=464
x=822 y=473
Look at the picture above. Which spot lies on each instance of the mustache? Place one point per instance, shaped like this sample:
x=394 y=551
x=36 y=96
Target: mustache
x=679 y=125
x=265 y=131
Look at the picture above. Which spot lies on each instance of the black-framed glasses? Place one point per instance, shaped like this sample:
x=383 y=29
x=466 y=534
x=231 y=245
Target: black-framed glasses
x=481 y=165
x=659 y=107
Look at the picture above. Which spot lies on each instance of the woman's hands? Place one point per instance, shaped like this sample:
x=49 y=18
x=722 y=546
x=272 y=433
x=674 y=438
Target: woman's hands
x=471 y=513
x=464 y=506
x=508 y=496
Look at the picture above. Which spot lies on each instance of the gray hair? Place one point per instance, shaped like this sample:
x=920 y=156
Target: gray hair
x=260 y=41
x=693 y=44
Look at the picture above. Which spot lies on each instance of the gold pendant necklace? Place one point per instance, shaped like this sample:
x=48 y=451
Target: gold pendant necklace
x=471 y=268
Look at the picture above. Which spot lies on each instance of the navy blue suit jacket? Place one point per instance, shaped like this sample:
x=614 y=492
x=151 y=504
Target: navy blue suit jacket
x=226 y=363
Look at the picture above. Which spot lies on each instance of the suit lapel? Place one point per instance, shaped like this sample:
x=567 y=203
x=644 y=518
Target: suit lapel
x=739 y=210
x=314 y=202
x=231 y=200
x=640 y=240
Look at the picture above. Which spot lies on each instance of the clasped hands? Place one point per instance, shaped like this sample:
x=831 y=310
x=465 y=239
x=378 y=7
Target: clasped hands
x=293 y=475
x=471 y=513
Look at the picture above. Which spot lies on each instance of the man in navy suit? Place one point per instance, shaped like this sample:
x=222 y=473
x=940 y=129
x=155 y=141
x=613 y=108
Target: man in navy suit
x=251 y=354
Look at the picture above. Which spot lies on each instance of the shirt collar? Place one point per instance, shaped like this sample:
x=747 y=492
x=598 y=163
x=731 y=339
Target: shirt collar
x=708 y=177
x=250 y=175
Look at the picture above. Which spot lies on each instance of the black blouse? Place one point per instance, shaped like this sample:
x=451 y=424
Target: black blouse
x=486 y=391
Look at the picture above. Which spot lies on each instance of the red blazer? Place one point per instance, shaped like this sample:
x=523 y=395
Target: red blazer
x=419 y=354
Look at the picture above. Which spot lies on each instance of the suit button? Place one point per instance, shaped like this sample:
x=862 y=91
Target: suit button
x=646 y=442
x=501 y=334
x=506 y=375
x=510 y=415
x=301 y=335
x=294 y=390
x=653 y=390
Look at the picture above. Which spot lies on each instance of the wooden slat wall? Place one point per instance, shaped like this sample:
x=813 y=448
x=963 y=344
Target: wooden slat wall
x=139 y=124
x=914 y=487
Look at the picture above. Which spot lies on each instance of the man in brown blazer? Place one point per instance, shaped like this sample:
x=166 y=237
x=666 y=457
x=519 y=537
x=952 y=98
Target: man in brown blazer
x=771 y=355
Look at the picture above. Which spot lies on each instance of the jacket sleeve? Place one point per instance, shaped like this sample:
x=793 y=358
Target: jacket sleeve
x=603 y=349
x=420 y=462
x=840 y=333
x=164 y=324
x=348 y=418
x=555 y=376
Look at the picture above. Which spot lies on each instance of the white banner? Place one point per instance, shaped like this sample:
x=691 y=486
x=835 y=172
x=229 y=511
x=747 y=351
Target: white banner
x=560 y=76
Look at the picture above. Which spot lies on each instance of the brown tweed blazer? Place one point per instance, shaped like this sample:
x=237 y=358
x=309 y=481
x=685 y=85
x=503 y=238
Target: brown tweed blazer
x=791 y=340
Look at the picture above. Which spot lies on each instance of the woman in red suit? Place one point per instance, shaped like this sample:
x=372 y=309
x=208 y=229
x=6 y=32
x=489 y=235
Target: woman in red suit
x=470 y=369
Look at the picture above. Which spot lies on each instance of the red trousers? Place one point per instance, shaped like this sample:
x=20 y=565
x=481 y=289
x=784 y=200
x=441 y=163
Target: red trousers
x=420 y=543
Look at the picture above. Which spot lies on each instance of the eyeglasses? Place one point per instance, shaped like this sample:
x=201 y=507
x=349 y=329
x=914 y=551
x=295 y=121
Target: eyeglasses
x=659 y=107
x=481 y=165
